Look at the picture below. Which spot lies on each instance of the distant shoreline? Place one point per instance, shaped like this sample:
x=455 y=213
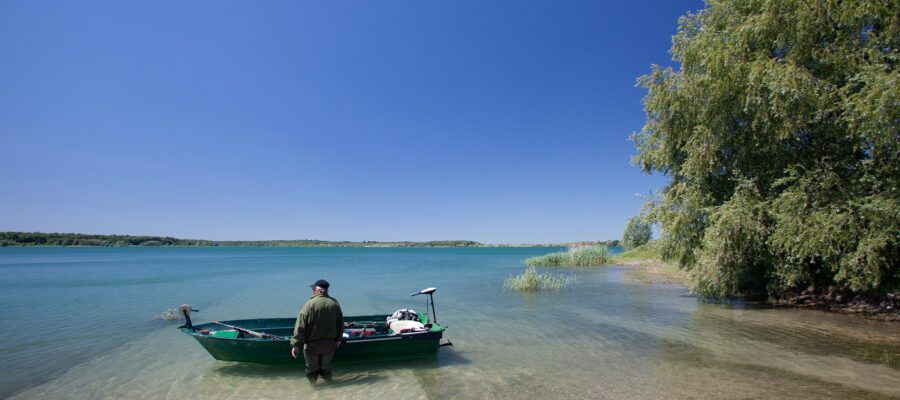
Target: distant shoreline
x=40 y=239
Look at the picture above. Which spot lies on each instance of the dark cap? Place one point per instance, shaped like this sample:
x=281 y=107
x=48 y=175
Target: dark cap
x=321 y=283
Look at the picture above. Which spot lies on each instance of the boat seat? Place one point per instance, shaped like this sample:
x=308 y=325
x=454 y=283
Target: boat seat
x=229 y=334
x=403 y=326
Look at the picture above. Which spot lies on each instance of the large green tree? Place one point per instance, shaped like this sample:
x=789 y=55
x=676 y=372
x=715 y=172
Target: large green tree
x=779 y=132
x=637 y=232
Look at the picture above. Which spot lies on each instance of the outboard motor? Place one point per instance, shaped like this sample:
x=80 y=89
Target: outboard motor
x=185 y=309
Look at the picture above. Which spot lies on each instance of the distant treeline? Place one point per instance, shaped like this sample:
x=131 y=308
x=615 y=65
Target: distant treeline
x=8 y=239
x=367 y=243
x=77 y=239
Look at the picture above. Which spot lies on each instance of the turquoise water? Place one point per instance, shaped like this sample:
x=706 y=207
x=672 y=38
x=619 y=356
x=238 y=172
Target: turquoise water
x=80 y=323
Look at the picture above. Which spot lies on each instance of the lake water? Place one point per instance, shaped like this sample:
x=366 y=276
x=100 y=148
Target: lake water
x=79 y=323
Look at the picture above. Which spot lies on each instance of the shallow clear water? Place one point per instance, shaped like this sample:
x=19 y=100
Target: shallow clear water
x=79 y=323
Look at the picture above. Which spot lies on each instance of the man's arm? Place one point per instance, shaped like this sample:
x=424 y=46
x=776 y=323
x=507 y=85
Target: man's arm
x=299 y=329
x=340 y=325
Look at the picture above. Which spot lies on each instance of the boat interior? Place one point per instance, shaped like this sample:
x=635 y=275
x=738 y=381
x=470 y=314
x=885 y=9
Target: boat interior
x=283 y=328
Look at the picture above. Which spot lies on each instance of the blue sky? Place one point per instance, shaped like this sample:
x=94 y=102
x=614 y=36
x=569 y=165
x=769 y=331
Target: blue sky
x=495 y=121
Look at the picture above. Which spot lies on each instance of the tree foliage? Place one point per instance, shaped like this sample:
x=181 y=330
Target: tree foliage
x=637 y=232
x=780 y=135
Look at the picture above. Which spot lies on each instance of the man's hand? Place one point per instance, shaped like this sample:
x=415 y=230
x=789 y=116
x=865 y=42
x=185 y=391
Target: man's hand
x=337 y=343
x=294 y=351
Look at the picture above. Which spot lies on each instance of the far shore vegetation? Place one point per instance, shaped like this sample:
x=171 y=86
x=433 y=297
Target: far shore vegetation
x=19 y=239
x=575 y=256
x=77 y=239
x=532 y=281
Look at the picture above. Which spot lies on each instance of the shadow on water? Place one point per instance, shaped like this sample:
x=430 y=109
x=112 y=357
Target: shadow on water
x=687 y=357
x=448 y=356
x=365 y=378
x=341 y=377
x=258 y=370
x=345 y=374
x=811 y=335
x=735 y=304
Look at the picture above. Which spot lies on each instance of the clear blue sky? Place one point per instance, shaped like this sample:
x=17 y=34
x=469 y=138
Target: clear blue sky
x=495 y=121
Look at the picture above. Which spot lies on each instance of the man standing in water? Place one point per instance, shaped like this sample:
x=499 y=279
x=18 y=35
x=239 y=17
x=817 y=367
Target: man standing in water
x=319 y=330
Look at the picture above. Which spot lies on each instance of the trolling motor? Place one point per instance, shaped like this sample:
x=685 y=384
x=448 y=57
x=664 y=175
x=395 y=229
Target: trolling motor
x=185 y=309
x=430 y=292
x=433 y=318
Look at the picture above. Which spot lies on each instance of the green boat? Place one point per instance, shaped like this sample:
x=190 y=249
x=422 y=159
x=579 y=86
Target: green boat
x=366 y=338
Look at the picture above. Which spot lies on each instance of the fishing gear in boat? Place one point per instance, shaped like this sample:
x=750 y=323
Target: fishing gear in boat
x=262 y=335
x=406 y=320
x=363 y=328
x=363 y=324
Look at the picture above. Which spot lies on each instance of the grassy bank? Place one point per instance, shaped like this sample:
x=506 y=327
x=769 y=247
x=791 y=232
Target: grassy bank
x=649 y=251
x=586 y=256
x=650 y=266
x=531 y=281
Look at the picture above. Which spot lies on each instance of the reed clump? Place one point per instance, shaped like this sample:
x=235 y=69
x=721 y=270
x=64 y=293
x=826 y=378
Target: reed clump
x=581 y=256
x=531 y=281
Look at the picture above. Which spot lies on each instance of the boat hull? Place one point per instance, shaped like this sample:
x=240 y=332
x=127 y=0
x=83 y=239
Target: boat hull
x=278 y=351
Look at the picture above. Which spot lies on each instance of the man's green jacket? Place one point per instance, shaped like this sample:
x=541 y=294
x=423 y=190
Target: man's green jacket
x=321 y=318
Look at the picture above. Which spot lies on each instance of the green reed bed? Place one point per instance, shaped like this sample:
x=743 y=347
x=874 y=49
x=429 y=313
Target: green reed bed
x=531 y=281
x=587 y=256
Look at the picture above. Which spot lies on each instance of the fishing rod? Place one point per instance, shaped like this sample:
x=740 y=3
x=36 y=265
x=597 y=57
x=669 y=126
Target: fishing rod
x=262 y=335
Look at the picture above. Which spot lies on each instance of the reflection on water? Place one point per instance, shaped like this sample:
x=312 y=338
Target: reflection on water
x=603 y=338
